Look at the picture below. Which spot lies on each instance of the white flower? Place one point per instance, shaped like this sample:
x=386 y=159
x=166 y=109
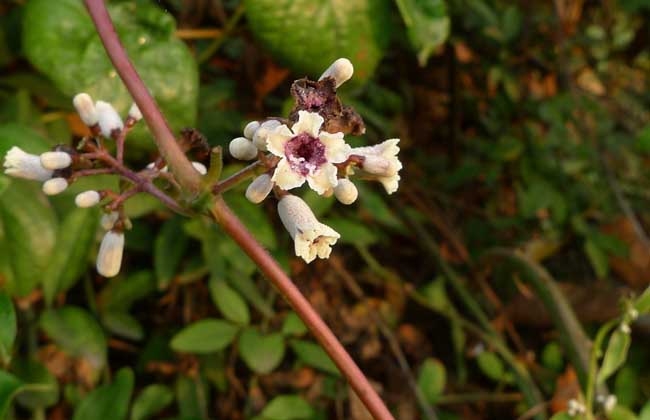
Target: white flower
x=346 y=192
x=108 y=118
x=575 y=407
x=85 y=107
x=243 y=149
x=200 y=168
x=259 y=189
x=341 y=71
x=250 y=129
x=108 y=220
x=55 y=186
x=262 y=133
x=381 y=161
x=109 y=257
x=20 y=164
x=87 y=199
x=311 y=238
x=134 y=112
x=55 y=160
x=307 y=153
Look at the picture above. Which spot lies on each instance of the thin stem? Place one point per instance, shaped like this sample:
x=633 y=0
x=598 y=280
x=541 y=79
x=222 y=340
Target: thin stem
x=234 y=227
x=236 y=178
x=187 y=176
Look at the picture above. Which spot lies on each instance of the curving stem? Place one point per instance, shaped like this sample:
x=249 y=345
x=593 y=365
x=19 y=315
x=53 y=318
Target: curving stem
x=189 y=179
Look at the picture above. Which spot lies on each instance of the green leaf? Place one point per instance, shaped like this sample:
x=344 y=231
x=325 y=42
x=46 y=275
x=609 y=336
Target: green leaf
x=33 y=373
x=308 y=35
x=562 y=416
x=642 y=303
x=169 y=247
x=644 y=414
x=313 y=355
x=255 y=219
x=287 y=407
x=597 y=258
x=615 y=355
x=229 y=302
x=628 y=386
x=9 y=386
x=353 y=232
x=262 y=353
x=620 y=412
x=78 y=334
x=108 y=402
x=205 y=336
x=7 y=327
x=30 y=226
x=491 y=365
x=432 y=379
x=120 y=293
x=123 y=324
x=70 y=53
x=552 y=357
x=191 y=398
x=151 y=401
x=293 y=325
x=70 y=257
x=427 y=25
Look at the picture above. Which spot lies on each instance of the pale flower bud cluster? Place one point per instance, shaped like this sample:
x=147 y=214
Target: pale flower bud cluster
x=20 y=164
x=102 y=116
x=575 y=407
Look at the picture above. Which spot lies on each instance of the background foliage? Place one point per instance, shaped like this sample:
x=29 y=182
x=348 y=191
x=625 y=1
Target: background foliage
x=517 y=236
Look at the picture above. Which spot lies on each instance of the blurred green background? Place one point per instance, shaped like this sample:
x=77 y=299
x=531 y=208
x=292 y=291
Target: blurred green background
x=518 y=234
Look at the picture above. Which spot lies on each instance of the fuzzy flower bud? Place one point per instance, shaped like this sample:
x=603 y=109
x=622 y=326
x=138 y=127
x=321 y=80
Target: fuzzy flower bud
x=85 y=107
x=341 y=71
x=108 y=118
x=311 y=238
x=243 y=149
x=134 y=112
x=20 y=164
x=200 y=168
x=345 y=191
x=259 y=189
x=87 y=199
x=108 y=220
x=262 y=133
x=250 y=129
x=55 y=160
x=55 y=186
x=381 y=161
x=109 y=257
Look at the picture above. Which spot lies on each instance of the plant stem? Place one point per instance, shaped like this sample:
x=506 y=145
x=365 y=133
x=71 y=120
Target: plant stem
x=234 y=179
x=234 y=227
x=187 y=176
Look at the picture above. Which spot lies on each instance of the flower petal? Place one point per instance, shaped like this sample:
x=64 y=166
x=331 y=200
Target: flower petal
x=308 y=122
x=285 y=178
x=336 y=149
x=277 y=138
x=323 y=179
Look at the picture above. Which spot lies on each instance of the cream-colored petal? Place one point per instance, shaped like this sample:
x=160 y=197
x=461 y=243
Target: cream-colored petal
x=277 y=138
x=323 y=179
x=308 y=122
x=336 y=149
x=304 y=249
x=390 y=183
x=286 y=178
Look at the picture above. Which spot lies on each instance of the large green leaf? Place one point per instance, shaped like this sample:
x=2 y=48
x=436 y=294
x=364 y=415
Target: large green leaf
x=205 y=336
x=262 y=353
x=151 y=400
x=169 y=248
x=108 y=402
x=71 y=54
x=78 y=334
x=615 y=355
x=308 y=35
x=427 y=25
x=7 y=327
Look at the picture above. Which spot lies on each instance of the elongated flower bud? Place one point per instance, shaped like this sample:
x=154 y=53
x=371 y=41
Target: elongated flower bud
x=200 y=168
x=378 y=165
x=55 y=186
x=108 y=220
x=262 y=133
x=85 y=107
x=381 y=161
x=259 y=189
x=108 y=118
x=345 y=191
x=20 y=164
x=250 y=129
x=134 y=112
x=87 y=199
x=55 y=160
x=341 y=71
x=241 y=148
x=109 y=258
x=311 y=238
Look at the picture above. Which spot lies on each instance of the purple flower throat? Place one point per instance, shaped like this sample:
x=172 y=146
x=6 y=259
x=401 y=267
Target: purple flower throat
x=305 y=154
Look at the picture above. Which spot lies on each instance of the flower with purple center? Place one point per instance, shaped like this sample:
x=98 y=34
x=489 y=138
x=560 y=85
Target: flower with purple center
x=308 y=154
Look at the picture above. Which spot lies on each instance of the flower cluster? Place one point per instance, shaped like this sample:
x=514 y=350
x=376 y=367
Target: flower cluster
x=310 y=147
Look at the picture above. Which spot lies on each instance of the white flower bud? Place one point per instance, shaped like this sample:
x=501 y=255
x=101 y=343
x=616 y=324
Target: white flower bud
x=108 y=118
x=55 y=160
x=109 y=257
x=341 y=71
x=85 y=107
x=378 y=165
x=610 y=403
x=633 y=314
x=55 y=186
x=262 y=133
x=382 y=161
x=200 y=168
x=243 y=149
x=625 y=328
x=250 y=129
x=87 y=199
x=134 y=112
x=311 y=238
x=108 y=220
x=259 y=189
x=345 y=191
x=20 y=164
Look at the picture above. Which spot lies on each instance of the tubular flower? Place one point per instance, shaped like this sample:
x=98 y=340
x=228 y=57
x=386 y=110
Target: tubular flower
x=259 y=189
x=307 y=153
x=109 y=257
x=341 y=71
x=311 y=238
x=20 y=164
x=382 y=162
